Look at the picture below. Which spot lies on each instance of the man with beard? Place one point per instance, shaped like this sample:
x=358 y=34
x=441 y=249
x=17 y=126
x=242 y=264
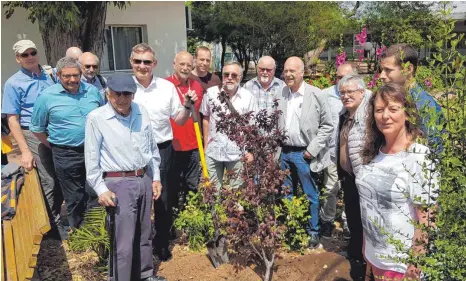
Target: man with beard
x=58 y=121
x=201 y=73
x=89 y=67
x=265 y=87
x=307 y=120
x=162 y=102
x=222 y=153
x=186 y=167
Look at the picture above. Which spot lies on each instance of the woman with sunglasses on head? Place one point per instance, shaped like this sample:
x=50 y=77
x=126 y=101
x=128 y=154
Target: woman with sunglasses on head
x=395 y=183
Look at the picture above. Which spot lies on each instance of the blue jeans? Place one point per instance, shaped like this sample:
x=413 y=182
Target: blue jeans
x=301 y=172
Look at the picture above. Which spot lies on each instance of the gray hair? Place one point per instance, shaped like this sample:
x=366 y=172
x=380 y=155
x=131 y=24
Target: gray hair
x=352 y=78
x=235 y=63
x=142 y=48
x=67 y=62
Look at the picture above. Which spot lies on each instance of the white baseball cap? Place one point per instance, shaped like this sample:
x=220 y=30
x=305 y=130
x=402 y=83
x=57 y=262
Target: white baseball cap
x=22 y=45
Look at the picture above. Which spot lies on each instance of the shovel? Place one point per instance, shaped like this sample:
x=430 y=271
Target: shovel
x=111 y=229
x=217 y=247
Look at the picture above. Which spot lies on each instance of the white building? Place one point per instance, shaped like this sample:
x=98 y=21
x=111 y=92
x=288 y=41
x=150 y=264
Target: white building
x=161 y=24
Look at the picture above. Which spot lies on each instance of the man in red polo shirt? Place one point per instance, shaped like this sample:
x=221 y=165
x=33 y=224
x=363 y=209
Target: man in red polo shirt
x=187 y=166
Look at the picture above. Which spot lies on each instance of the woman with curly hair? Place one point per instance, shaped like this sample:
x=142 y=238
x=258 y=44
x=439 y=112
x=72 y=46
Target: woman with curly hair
x=395 y=184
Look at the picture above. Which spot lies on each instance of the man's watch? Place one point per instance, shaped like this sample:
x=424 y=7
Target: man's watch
x=187 y=107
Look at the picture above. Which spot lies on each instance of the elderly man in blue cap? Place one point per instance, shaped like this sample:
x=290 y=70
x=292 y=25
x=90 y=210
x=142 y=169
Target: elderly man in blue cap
x=122 y=161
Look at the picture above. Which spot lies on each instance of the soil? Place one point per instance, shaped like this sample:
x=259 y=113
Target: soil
x=56 y=262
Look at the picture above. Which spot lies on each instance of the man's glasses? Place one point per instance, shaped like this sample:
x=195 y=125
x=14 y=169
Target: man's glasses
x=349 y=92
x=145 y=62
x=125 y=94
x=268 y=70
x=26 y=55
x=68 y=76
x=88 y=66
x=228 y=74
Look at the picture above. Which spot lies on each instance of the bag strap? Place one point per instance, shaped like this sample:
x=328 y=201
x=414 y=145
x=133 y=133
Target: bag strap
x=102 y=81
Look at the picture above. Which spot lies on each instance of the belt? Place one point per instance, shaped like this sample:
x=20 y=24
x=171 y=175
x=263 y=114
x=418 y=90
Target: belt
x=164 y=144
x=25 y=128
x=79 y=147
x=288 y=148
x=136 y=173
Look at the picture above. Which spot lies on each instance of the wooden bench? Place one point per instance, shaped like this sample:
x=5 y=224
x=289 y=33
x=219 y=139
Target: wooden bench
x=22 y=235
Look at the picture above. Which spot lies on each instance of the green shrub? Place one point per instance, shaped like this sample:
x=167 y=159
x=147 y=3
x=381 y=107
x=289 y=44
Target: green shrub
x=295 y=215
x=196 y=222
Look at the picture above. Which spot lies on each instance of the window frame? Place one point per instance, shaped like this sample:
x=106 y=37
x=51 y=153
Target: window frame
x=143 y=28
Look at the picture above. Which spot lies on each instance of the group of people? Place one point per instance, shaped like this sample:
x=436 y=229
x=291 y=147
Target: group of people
x=128 y=142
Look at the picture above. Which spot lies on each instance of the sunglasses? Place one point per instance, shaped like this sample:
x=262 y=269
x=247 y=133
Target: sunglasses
x=146 y=62
x=268 y=70
x=125 y=94
x=350 y=93
x=228 y=74
x=88 y=66
x=26 y=55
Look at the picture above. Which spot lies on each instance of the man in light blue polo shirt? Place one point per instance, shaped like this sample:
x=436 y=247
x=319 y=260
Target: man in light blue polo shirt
x=19 y=96
x=58 y=121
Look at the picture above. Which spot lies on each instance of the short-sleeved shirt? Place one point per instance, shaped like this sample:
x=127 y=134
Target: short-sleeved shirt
x=265 y=98
x=184 y=137
x=219 y=147
x=162 y=103
x=96 y=83
x=20 y=93
x=390 y=188
x=63 y=115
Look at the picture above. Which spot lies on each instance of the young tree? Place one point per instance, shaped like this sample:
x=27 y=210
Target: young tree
x=65 y=24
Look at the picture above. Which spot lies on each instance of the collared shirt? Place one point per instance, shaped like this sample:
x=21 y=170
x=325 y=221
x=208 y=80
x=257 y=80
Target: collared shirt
x=219 y=147
x=21 y=91
x=96 y=82
x=184 y=137
x=63 y=115
x=265 y=98
x=162 y=103
x=294 y=104
x=116 y=144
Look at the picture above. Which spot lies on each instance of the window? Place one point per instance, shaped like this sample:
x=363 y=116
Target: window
x=189 y=22
x=119 y=40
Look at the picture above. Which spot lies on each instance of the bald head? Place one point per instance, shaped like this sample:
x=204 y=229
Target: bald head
x=265 y=71
x=73 y=52
x=183 y=64
x=89 y=64
x=294 y=73
x=345 y=69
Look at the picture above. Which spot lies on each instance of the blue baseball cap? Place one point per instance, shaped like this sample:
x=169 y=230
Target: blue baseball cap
x=122 y=82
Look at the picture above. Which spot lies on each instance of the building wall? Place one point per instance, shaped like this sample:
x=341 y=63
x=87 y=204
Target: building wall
x=165 y=31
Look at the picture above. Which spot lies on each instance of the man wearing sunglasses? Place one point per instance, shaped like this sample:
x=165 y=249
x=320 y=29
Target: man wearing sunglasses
x=265 y=87
x=122 y=161
x=222 y=153
x=162 y=102
x=19 y=96
x=89 y=67
x=58 y=121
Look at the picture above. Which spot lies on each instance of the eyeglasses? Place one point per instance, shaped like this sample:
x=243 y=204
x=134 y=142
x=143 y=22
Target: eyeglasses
x=349 y=92
x=88 y=66
x=228 y=74
x=68 y=76
x=268 y=70
x=146 y=62
x=26 y=55
x=125 y=94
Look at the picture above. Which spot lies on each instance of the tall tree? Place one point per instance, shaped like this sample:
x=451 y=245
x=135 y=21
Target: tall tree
x=64 y=24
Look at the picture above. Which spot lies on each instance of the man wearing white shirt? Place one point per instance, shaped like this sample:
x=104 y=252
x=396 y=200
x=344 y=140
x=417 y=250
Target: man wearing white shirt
x=122 y=161
x=222 y=153
x=161 y=100
x=307 y=122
